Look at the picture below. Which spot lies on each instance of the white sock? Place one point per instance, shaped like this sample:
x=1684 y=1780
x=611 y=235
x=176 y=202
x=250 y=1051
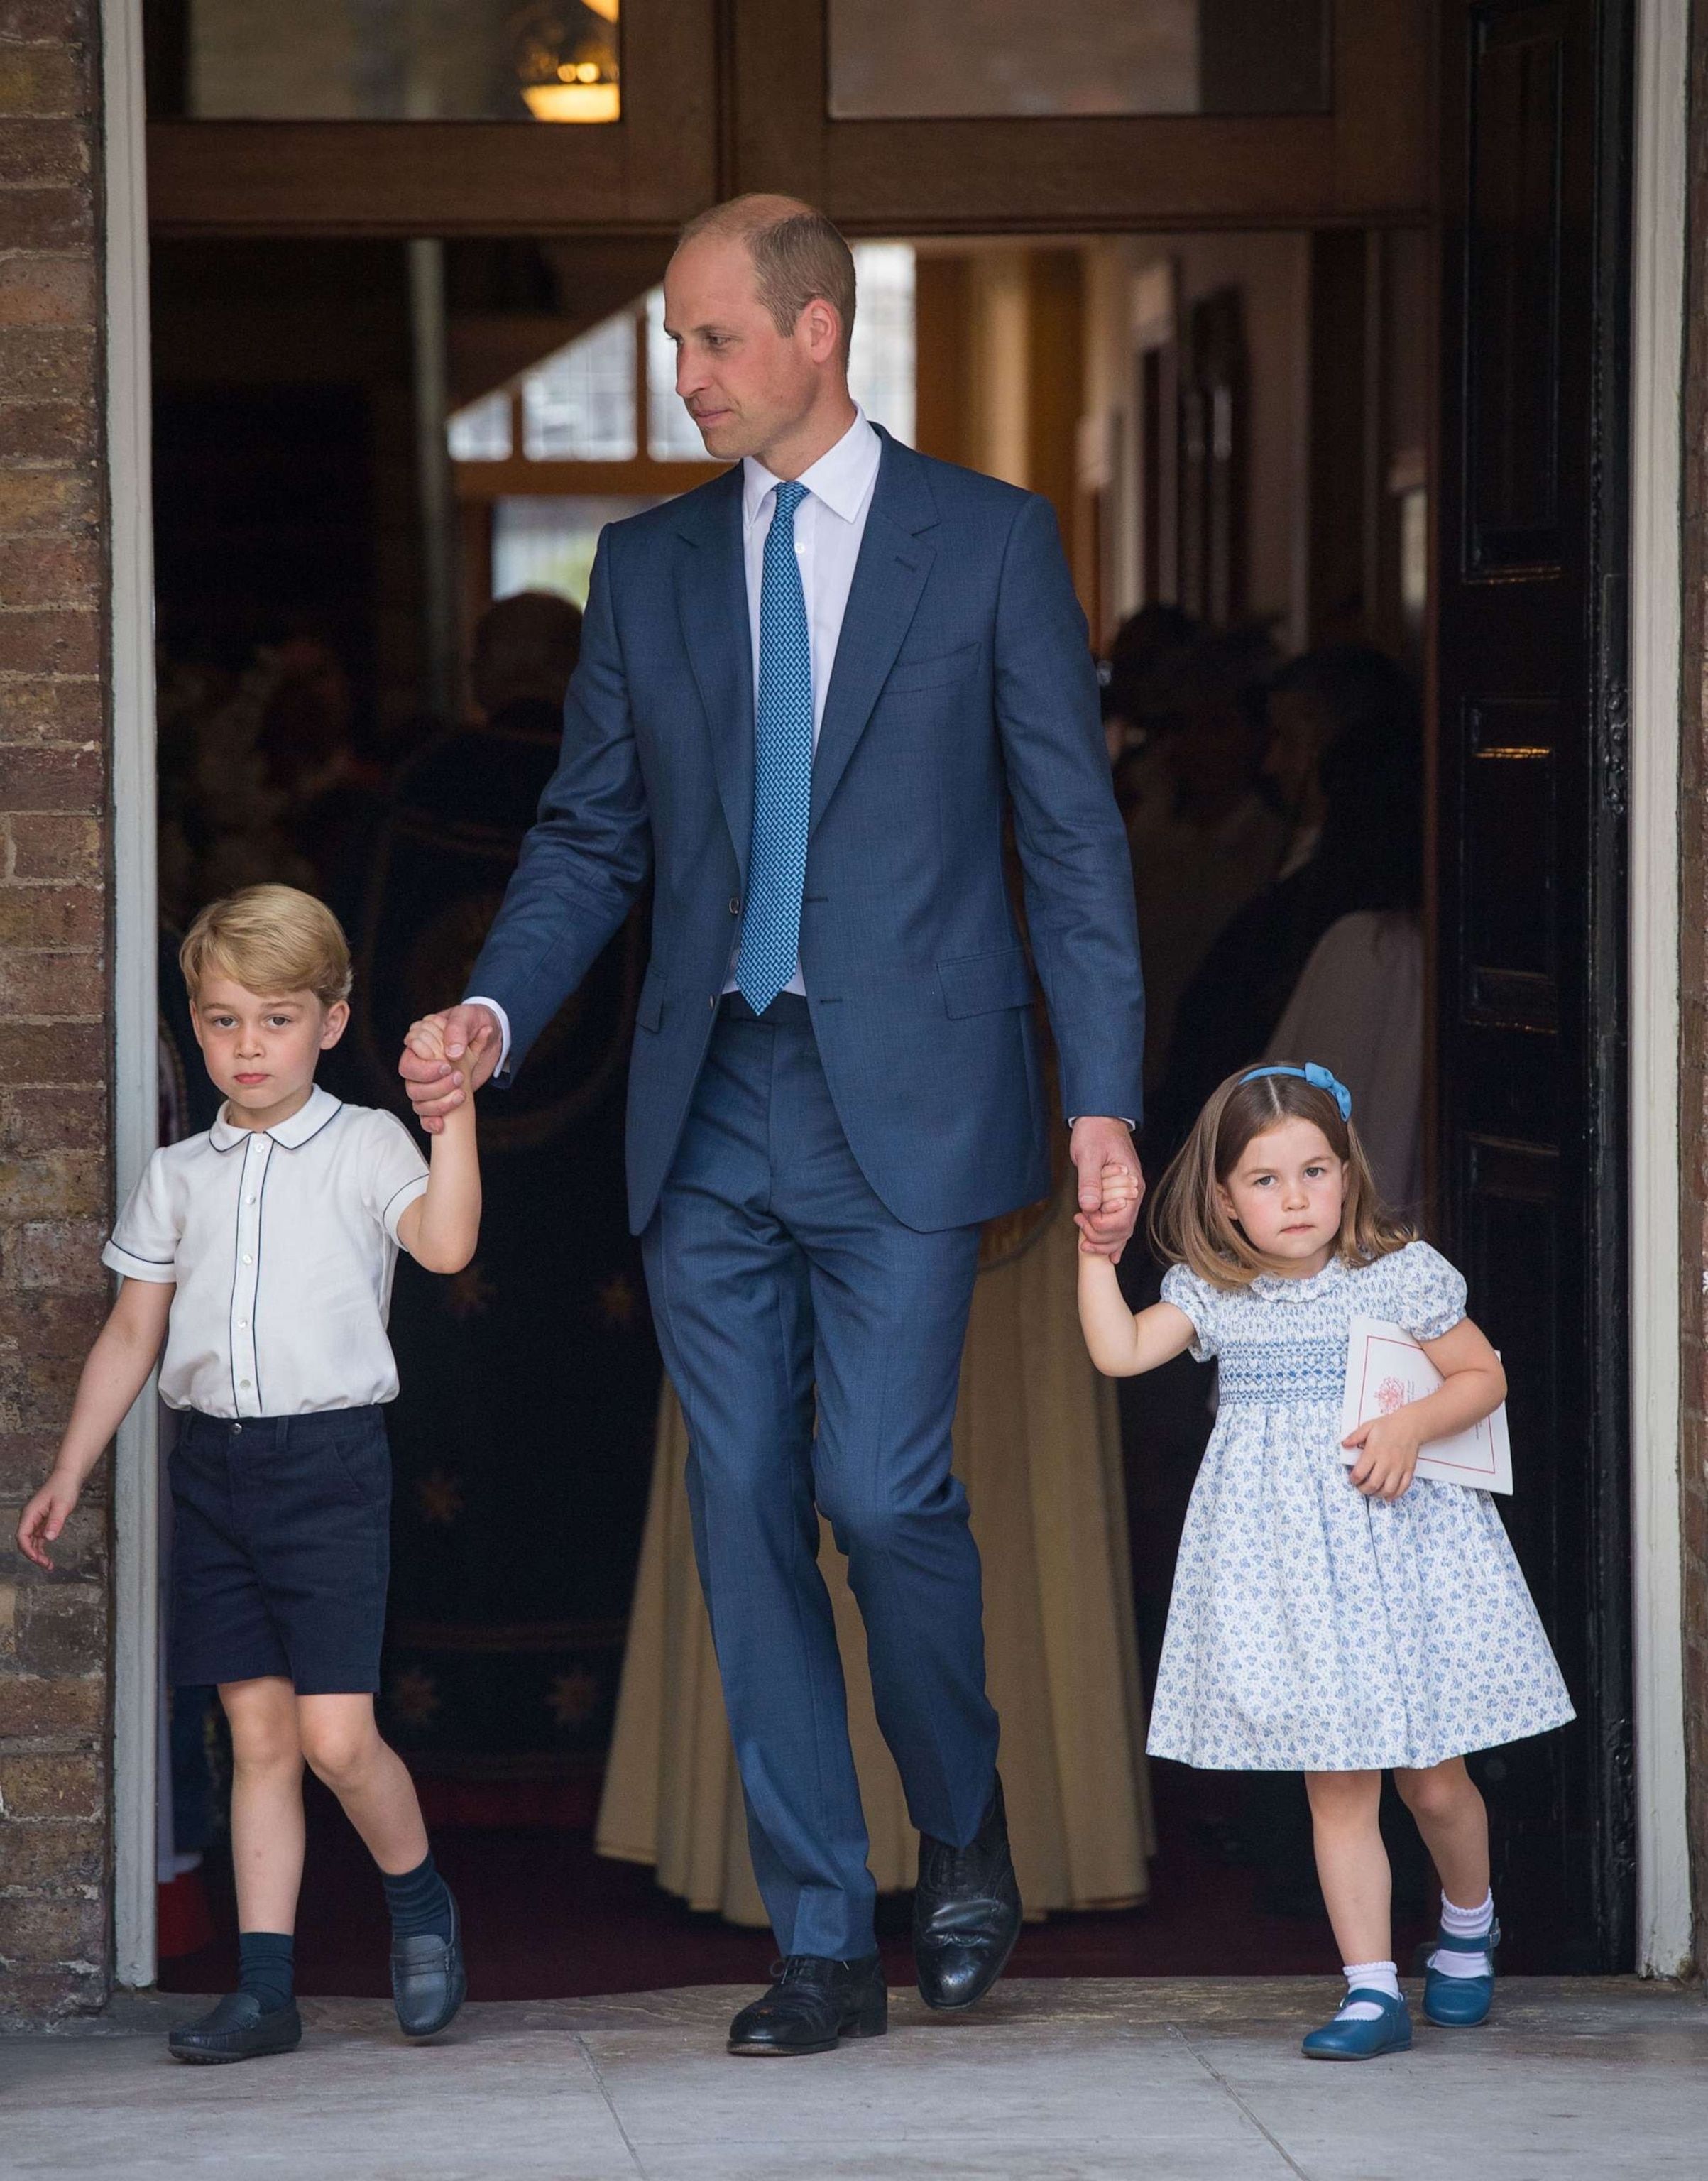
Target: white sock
x=1464 y=1924
x=1366 y=1976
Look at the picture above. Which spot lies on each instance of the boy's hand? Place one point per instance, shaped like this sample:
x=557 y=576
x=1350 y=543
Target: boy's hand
x=1388 y=1455
x=45 y=1517
x=438 y=1085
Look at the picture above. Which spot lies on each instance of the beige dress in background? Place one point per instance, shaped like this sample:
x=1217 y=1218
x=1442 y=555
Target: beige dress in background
x=1038 y=1446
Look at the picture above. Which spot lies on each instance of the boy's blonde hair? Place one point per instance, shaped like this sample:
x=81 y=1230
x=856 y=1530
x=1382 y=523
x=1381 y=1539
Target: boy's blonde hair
x=1188 y=1223
x=271 y=940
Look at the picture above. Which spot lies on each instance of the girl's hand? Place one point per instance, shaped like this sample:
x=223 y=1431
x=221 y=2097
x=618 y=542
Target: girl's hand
x=1120 y=1192
x=1388 y=1457
x=45 y=1517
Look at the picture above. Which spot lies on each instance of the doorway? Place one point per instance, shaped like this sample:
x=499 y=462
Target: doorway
x=1119 y=500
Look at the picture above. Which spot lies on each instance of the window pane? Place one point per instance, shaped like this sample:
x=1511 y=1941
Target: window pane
x=881 y=369
x=672 y=435
x=894 y=59
x=481 y=432
x=548 y=544
x=579 y=405
x=396 y=60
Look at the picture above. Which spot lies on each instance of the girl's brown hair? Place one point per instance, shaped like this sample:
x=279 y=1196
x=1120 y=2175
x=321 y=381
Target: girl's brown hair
x=1188 y=1225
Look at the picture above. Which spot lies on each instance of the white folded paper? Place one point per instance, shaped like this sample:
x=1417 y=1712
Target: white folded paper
x=1386 y=1368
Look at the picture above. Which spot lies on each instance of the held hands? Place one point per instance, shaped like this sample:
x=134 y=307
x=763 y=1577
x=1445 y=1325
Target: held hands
x=45 y=1517
x=1388 y=1455
x=432 y=1050
x=1111 y=1187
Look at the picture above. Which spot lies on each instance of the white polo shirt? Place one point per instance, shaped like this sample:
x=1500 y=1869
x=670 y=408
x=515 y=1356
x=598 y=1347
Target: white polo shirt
x=281 y=1244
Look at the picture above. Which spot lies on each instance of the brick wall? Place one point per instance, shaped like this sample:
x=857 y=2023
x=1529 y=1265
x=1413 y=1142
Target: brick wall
x=54 y=1171
x=1694 y=922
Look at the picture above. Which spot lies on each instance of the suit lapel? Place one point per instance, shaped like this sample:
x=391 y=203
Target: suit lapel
x=889 y=576
x=712 y=601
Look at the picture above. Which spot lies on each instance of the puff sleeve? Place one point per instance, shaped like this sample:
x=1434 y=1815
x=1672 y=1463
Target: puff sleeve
x=393 y=1172
x=1201 y=1303
x=1428 y=1295
x=145 y=1242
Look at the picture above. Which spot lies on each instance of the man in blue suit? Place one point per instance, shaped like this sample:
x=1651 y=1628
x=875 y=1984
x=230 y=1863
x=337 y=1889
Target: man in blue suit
x=808 y=694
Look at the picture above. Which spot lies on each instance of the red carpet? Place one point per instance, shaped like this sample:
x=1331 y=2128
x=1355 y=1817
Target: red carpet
x=547 y=1919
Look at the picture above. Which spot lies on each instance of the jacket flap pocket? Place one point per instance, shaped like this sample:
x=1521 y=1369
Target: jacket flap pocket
x=978 y=984
x=928 y=673
x=649 y=1012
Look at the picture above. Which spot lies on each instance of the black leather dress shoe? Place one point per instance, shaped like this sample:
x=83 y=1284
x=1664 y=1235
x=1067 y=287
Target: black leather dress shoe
x=965 y=1912
x=812 y=2003
x=236 y=2030
x=429 y=1982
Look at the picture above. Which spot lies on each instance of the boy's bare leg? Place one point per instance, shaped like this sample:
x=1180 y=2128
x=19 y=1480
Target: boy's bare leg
x=342 y=1743
x=265 y=1801
x=1351 y=1861
x=1454 y=1822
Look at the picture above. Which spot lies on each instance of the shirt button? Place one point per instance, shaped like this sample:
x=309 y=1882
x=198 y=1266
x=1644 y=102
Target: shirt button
x=243 y=1325
x=247 y=1259
x=244 y=1383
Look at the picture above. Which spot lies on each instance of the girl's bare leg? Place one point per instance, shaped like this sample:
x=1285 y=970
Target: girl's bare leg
x=1454 y=1822
x=265 y=1801
x=1352 y=1863
x=343 y=1744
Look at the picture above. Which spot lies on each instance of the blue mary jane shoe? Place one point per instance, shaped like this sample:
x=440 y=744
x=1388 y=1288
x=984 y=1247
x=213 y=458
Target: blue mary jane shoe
x=1461 y=2002
x=1390 y=2031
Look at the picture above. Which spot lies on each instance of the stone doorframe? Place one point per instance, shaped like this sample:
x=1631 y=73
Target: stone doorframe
x=1664 y=1924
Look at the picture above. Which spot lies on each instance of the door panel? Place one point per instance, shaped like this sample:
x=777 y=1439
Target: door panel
x=1364 y=160
x=1534 y=120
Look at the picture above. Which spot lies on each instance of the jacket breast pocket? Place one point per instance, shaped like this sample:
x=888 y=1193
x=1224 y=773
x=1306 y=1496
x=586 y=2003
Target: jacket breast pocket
x=980 y=984
x=649 y=1010
x=910 y=674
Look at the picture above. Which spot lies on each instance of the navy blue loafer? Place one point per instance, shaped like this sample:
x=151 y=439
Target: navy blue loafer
x=1461 y=2002
x=429 y=1981
x=236 y=2030
x=1351 y=2039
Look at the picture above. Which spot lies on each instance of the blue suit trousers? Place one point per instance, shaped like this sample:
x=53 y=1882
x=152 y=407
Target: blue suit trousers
x=777 y=1274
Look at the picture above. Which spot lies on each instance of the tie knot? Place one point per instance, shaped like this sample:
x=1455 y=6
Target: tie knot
x=789 y=498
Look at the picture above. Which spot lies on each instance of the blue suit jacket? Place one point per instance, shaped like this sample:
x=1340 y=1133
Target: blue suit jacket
x=963 y=681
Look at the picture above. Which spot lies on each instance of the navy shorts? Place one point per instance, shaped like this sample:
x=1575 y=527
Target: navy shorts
x=281 y=1549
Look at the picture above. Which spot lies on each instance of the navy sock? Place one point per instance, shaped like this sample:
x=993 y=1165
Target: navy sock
x=267 y=1968
x=419 y=1900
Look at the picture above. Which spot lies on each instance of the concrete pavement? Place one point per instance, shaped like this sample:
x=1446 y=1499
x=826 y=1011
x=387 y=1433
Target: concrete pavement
x=1092 y=2081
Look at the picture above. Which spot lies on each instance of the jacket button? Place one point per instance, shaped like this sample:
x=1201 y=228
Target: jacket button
x=735 y=904
x=712 y=1003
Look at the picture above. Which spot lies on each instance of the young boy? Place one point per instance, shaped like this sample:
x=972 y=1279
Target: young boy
x=262 y=1253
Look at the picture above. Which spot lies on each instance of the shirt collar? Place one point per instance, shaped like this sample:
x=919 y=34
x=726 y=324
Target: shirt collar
x=308 y=1120
x=841 y=477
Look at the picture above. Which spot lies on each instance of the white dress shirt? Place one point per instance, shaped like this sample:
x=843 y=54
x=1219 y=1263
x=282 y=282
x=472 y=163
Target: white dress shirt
x=829 y=524
x=281 y=1244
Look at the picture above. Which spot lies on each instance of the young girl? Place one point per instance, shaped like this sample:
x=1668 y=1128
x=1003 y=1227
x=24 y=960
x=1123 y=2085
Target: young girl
x=1328 y=1617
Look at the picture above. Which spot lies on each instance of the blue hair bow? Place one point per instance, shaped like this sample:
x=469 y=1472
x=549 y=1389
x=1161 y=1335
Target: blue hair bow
x=1320 y=1079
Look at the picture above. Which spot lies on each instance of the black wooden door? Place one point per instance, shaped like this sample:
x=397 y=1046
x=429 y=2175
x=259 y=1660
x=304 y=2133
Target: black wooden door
x=1530 y=858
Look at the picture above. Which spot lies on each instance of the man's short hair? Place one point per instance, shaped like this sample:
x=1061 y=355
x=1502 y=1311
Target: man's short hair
x=271 y=940
x=797 y=255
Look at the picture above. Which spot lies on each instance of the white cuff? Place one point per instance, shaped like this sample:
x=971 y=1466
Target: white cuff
x=480 y=1000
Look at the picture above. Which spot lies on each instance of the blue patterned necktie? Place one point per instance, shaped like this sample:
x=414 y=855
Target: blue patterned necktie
x=782 y=769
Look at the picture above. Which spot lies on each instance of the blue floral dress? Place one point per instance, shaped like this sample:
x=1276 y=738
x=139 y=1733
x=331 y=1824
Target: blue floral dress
x=1312 y=1629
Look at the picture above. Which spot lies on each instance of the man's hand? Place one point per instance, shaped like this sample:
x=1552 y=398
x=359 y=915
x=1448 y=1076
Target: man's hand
x=1107 y=1214
x=471 y=1046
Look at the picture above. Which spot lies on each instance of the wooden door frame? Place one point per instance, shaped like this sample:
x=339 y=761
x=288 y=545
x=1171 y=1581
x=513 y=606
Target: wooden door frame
x=1366 y=161
x=1663 y=1916
x=1664 y=1902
